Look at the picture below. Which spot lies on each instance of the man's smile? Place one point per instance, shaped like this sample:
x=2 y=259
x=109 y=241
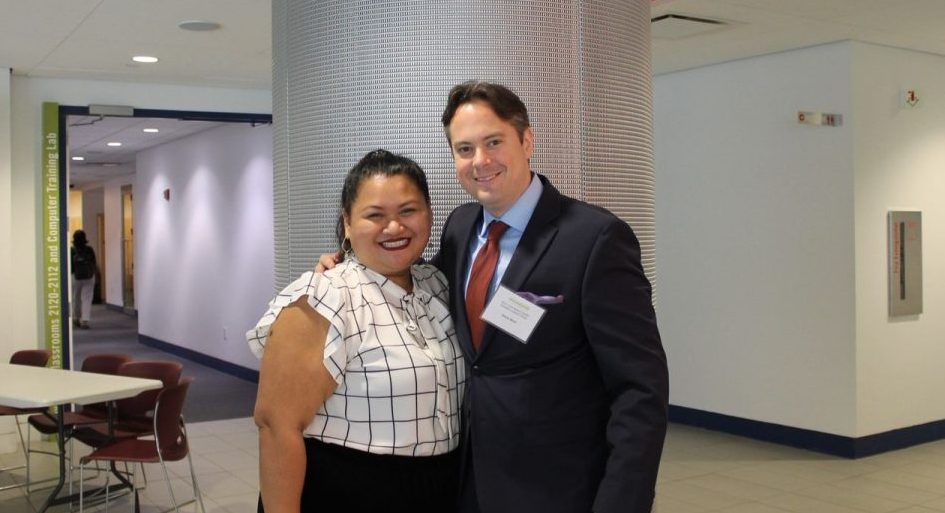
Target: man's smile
x=487 y=177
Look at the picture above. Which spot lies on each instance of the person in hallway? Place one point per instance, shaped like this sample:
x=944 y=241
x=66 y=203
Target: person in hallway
x=83 y=266
x=362 y=376
x=567 y=415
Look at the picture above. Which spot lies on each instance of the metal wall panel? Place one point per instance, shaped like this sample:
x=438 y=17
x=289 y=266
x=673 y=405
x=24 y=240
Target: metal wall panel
x=904 y=240
x=352 y=76
x=280 y=148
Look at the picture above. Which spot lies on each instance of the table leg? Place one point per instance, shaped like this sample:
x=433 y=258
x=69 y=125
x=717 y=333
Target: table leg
x=124 y=481
x=61 y=445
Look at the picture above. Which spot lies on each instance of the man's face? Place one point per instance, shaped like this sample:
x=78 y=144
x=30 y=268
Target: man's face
x=491 y=160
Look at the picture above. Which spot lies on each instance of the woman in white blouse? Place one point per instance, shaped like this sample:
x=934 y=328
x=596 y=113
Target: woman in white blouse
x=362 y=378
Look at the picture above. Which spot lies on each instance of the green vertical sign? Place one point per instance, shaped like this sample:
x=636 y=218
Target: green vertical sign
x=52 y=275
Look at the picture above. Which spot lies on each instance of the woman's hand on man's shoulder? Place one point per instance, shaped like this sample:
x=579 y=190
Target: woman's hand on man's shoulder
x=328 y=261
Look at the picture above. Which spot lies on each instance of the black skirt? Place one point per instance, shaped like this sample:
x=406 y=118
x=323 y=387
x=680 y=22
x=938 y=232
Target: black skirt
x=343 y=480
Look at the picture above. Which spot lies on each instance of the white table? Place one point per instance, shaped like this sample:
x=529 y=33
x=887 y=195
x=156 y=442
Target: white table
x=24 y=386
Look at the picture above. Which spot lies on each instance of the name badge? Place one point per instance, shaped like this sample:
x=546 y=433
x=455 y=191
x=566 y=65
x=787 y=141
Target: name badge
x=512 y=314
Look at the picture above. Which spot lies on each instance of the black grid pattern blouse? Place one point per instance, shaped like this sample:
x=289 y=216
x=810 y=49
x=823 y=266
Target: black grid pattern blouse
x=399 y=368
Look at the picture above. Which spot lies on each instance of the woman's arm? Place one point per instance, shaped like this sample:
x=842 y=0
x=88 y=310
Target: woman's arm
x=293 y=384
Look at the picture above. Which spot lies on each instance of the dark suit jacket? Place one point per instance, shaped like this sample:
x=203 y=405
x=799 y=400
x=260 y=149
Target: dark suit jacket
x=574 y=420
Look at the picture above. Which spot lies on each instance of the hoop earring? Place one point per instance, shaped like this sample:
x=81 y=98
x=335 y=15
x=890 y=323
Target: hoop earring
x=346 y=248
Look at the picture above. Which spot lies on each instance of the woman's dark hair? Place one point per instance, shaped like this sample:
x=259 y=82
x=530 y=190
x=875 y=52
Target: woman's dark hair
x=506 y=104
x=377 y=162
x=79 y=239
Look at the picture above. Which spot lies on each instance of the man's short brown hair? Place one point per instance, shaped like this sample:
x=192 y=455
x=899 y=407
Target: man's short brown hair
x=506 y=104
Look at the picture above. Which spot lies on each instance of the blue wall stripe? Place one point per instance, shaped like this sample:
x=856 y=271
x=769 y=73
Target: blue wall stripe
x=844 y=446
x=203 y=359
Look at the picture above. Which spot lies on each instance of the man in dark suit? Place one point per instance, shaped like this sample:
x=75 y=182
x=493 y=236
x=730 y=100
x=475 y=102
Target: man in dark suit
x=570 y=415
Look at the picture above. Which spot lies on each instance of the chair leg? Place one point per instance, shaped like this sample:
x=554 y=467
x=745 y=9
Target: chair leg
x=26 y=454
x=144 y=474
x=193 y=478
x=19 y=432
x=71 y=462
x=134 y=492
x=81 y=488
x=26 y=451
x=167 y=479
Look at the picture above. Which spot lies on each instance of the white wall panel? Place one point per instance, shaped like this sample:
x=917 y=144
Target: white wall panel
x=8 y=345
x=900 y=165
x=204 y=259
x=756 y=249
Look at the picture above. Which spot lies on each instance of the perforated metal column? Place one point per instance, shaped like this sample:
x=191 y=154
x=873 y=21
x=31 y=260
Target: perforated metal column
x=352 y=76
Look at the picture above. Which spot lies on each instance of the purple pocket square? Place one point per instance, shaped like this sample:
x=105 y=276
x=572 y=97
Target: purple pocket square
x=541 y=300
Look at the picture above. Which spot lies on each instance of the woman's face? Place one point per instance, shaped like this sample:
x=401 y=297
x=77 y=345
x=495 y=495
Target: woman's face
x=389 y=226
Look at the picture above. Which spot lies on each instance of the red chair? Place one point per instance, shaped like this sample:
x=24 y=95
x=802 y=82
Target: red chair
x=104 y=363
x=169 y=443
x=45 y=423
x=135 y=413
x=31 y=357
x=35 y=358
x=133 y=417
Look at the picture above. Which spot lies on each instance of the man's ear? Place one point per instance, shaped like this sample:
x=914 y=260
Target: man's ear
x=528 y=142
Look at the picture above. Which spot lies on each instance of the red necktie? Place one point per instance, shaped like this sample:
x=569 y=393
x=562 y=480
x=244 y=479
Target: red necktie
x=483 y=269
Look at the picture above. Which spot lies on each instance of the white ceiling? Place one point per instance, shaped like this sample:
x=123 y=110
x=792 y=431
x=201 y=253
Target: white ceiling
x=95 y=39
x=766 y=26
x=88 y=137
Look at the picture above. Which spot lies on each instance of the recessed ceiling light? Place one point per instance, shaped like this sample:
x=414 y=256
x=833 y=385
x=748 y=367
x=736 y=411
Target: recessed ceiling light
x=78 y=158
x=144 y=58
x=113 y=143
x=150 y=130
x=198 y=25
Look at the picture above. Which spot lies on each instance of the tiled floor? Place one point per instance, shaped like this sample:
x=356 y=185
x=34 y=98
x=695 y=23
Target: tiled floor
x=225 y=459
x=702 y=471
x=707 y=471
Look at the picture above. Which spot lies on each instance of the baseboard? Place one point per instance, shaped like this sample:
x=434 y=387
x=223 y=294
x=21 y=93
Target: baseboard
x=844 y=446
x=203 y=359
x=121 y=309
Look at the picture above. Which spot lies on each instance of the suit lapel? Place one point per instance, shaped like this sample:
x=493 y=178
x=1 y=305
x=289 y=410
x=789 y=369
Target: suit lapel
x=465 y=232
x=539 y=233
